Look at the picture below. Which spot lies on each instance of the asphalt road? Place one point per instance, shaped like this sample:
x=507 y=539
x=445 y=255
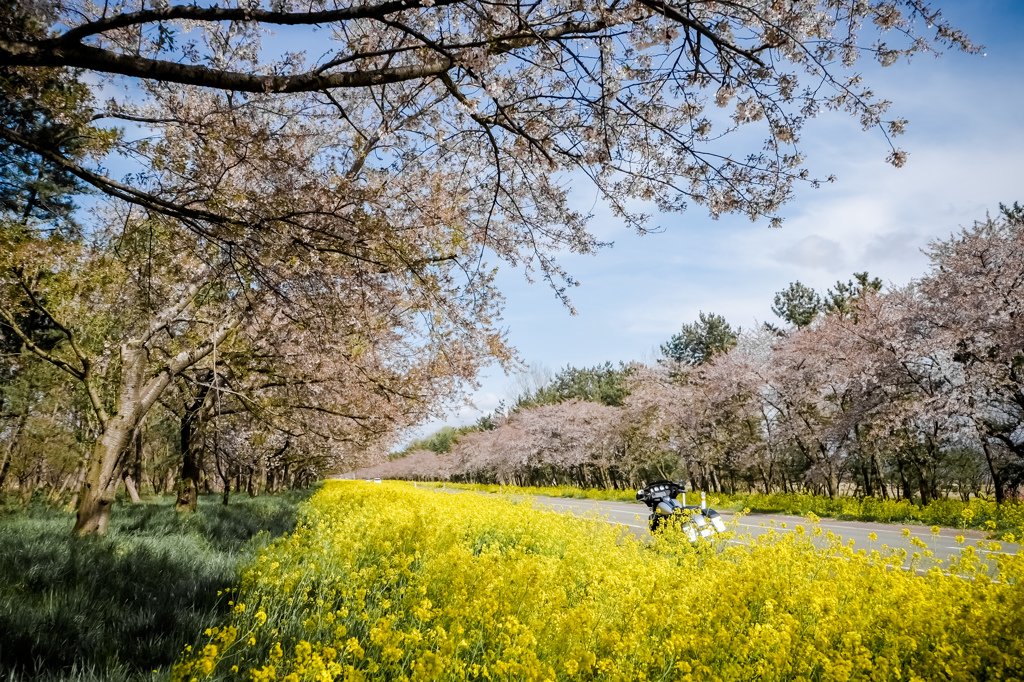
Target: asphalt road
x=633 y=516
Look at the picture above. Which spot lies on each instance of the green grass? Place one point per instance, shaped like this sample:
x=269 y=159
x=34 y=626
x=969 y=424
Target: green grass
x=122 y=607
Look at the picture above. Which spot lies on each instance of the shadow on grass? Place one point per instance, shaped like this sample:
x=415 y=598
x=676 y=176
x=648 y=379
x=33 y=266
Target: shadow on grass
x=122 y=606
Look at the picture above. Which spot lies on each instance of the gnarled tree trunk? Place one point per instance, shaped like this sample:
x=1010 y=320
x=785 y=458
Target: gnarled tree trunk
x=104 y=476
x=107 y=460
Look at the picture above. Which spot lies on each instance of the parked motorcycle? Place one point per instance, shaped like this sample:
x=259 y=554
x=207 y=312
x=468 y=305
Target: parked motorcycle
x=661 y=498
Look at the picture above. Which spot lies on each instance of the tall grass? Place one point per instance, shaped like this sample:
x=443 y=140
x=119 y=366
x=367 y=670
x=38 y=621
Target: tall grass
x=121 y=607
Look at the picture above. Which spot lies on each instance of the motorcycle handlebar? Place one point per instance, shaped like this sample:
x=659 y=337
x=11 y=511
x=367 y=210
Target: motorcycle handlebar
x=659 y=490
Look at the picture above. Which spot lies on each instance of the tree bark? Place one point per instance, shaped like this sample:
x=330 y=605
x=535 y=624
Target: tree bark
x=878 y=475
x=926 y=491
x=192 y=446
x=3 y=468
x=191 y=470
x=997 y=479
x=107 y=460
x=133 y=492
x=97 y=495
x=132 y=474
x=9 y=450
x=79 y=481
x=257 y=480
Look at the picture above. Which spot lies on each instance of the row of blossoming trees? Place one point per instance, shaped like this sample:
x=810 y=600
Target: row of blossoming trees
x=915 y=392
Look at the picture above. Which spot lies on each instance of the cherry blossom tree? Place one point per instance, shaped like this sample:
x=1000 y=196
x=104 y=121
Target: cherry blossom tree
x=303 y=326
x=975 y=301
x=345 y=206
x=573 y=441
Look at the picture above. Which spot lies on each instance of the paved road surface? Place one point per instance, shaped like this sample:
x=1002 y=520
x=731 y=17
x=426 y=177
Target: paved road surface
x=634 y=517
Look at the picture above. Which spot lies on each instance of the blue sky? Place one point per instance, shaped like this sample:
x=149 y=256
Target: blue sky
x=966 y=145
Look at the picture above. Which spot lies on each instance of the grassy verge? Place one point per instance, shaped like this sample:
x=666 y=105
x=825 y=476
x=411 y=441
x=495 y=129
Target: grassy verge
x=385 y=582
x=979 y=514
x=121 y=607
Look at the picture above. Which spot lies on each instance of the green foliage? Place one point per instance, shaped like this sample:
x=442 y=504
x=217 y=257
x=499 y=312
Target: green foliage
x=797 y=304
x=604 y=384
x=49 y=108
x=841 y=300
x=1012 y=214
x=441 y=441
x=118 y=607
x=699 y=341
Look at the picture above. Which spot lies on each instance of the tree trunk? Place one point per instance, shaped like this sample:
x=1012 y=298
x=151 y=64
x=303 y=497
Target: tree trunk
x=926 y=491
x=4 y=467
x=107 y=460
x=133 y=492
x=101 y=482
x=79 y=481
x=997 y=479
x=133 y=468
x=192 y=446
x=9 y=450
x=878 y=475
x=257 y=477
x=188 y=486
x=905 y=489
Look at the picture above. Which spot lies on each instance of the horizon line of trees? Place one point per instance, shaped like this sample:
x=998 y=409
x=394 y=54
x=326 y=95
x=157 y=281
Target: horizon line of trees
x=913 y=393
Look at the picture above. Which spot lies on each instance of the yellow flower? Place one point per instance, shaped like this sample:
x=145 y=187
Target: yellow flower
x=390 y=582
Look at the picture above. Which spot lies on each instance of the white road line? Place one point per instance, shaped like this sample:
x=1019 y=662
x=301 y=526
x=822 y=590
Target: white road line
x=824 y=522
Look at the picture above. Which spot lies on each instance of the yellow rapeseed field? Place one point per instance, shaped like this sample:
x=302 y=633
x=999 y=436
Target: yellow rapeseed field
x=386 y=582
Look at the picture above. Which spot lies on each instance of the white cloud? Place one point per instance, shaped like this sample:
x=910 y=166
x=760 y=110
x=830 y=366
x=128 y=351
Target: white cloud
x=898 y=245
x=485 y=402
x=814 y=252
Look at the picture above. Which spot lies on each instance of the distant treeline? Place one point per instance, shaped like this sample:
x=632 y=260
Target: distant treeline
x=914 y=392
